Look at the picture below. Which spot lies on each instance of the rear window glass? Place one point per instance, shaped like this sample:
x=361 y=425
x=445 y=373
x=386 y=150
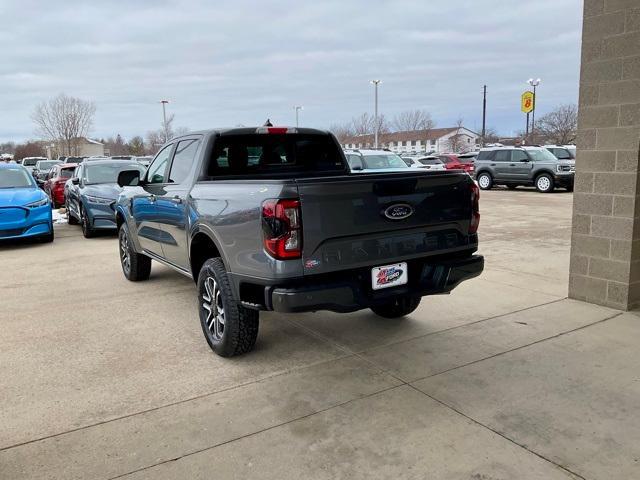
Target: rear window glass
x=485 y=155
x=430 y=161
x=66 y=172
x=275 y=154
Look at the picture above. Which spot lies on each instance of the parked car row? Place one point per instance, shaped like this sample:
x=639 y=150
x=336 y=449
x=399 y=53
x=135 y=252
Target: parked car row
x=545 y=167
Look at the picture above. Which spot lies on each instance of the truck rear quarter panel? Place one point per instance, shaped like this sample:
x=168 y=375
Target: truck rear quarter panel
x=230 y=211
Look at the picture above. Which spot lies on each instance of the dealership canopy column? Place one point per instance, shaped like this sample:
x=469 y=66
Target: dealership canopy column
x=605 y=247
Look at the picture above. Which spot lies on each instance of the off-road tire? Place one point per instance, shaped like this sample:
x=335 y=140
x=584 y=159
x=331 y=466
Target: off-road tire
x=240 y=324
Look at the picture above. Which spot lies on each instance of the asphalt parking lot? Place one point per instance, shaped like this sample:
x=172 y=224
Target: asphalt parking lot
x=503 y=379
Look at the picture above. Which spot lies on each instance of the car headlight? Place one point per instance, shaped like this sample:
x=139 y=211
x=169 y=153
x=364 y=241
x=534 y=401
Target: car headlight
x=98 y=200
x=39 y=203
x=563 y=168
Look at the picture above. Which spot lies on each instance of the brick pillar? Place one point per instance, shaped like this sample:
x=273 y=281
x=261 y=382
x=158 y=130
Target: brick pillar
x=605 y=243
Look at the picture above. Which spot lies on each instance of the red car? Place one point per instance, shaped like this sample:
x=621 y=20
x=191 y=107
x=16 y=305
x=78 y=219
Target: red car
x=54 y=184
x=452 y=162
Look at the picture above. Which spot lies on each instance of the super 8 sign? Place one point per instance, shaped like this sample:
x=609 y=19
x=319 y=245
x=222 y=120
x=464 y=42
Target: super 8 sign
x=526 y=102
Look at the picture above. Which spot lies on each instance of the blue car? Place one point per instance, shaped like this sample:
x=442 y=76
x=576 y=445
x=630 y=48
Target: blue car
x=25 y=210
x=91 y=194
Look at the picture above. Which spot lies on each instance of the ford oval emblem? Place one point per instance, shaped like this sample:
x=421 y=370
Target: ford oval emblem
x=398 y=211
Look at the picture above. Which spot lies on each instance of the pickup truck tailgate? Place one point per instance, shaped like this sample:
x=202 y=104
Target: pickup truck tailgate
x=366 y=220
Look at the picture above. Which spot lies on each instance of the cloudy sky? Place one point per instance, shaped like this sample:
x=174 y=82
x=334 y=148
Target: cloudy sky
x=223 y=63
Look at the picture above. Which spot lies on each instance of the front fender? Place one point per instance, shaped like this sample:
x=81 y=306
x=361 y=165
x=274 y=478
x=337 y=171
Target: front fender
x=127 y=218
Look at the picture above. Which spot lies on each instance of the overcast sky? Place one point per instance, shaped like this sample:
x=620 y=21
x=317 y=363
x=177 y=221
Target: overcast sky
x=223 y=63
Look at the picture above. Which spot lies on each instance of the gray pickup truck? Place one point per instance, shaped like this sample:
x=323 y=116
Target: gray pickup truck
x=270 y=218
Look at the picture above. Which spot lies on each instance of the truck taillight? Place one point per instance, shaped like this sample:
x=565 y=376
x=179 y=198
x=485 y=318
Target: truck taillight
x=282 y=228
x=475 y=209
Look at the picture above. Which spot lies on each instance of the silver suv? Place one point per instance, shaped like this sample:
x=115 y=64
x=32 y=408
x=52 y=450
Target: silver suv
x=531 y=166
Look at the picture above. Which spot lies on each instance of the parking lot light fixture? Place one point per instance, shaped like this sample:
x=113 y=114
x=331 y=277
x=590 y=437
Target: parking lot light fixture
x=376 y=126
x=164 y=120
x=297 y=108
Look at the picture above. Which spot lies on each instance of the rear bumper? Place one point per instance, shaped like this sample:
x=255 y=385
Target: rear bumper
x=425 y=278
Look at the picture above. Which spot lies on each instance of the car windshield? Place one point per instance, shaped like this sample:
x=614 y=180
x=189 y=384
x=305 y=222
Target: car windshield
x=562 y=154
x=15 y=178
x=46 y=165
x=107 y=172
x=29 y=162
x=541 y=155
x=383 y=160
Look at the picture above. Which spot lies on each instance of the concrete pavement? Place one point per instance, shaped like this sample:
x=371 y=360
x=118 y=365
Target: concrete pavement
x=505 y=378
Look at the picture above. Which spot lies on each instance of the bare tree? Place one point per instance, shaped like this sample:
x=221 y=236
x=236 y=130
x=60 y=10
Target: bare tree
x=156 y=138
x=64 y=120
x=411 y=120
x=490 y=135
x=457 y=142
x=559 y=126
x=29 y=149
x=342 y=131
x=136 y=146
x=365 y=124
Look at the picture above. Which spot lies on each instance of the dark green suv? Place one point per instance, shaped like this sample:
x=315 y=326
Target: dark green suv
x=530 y=166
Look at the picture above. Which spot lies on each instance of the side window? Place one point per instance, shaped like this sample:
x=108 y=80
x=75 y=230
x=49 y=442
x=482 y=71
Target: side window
x=485 y=155
x=183 y=160
x=518 y=156
x=503 y=156
x=158 y=169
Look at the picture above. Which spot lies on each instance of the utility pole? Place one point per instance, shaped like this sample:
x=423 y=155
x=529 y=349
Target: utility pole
x=377 y=125
x=297 y=108
x=164 y=120
x=484 y=112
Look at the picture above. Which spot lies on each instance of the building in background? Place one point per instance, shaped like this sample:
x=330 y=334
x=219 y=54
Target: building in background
x=82 y=147
x=453 y=139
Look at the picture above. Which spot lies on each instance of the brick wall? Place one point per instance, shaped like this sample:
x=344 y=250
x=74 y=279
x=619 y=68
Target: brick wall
x=605 y=246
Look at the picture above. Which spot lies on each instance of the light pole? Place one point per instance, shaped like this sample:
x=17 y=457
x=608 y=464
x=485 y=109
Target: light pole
x=164 y=120
x=534 y=84
x=376 y=127
x=297 y=108
x=484 y=112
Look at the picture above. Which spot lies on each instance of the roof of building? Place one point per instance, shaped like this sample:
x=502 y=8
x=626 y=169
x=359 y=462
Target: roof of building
x=432 y=134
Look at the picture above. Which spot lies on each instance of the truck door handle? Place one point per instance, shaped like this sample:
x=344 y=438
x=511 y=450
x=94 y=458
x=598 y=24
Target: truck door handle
x=493 y=164
x=512 y=164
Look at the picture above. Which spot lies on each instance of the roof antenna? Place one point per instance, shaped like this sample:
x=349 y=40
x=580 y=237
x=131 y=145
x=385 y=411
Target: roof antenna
x=268 y=123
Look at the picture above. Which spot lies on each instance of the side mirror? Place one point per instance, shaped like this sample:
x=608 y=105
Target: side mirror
x=129 y=178
x=75 y=181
